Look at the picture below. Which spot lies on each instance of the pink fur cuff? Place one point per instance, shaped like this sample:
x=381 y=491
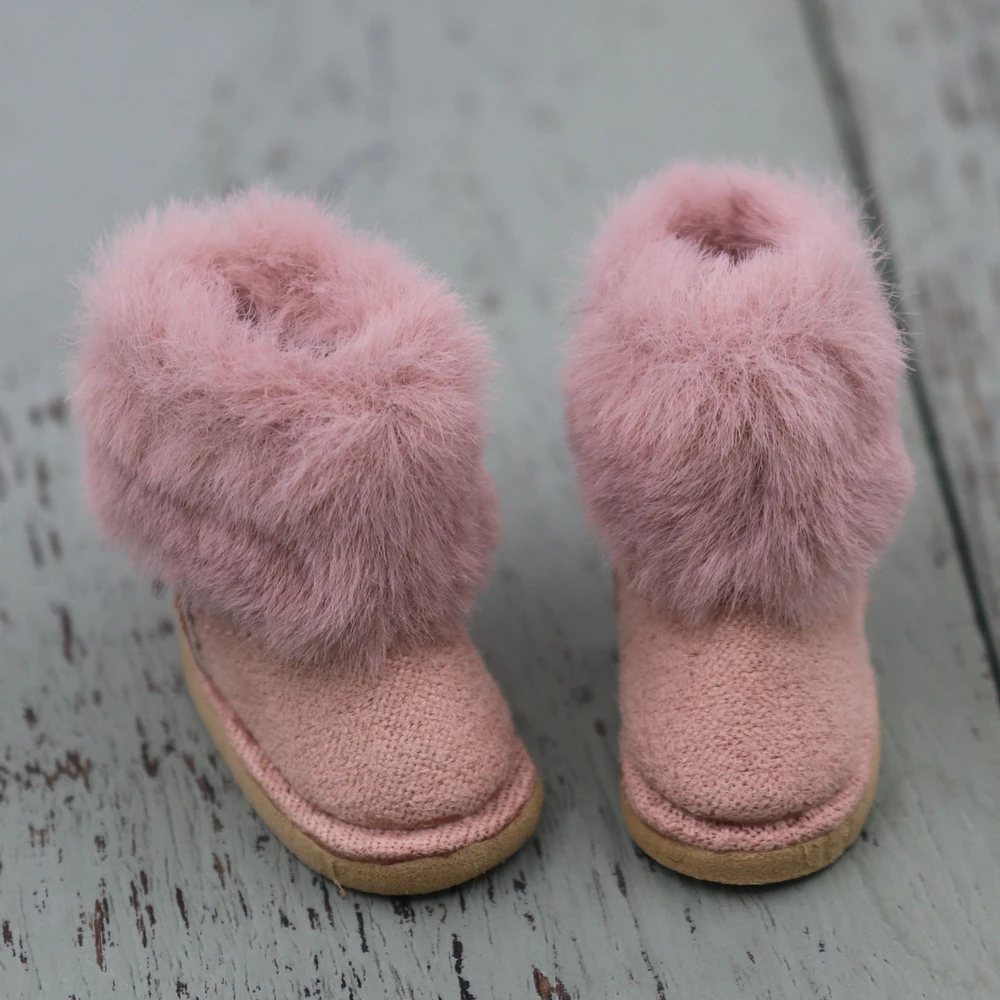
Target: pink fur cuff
x=732 y=394
x=284 y=420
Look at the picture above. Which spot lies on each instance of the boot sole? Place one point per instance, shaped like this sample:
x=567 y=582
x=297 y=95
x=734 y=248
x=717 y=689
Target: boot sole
x=752 y=867
x=399 y=878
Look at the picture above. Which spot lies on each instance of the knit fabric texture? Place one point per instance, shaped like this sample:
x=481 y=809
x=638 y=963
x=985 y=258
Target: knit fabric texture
x=284 y=420
x=419 y=759
x=744 y=735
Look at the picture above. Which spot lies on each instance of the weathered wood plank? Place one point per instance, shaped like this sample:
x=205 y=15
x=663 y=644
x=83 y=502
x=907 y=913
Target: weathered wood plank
x=922 y=84
x=129 y=862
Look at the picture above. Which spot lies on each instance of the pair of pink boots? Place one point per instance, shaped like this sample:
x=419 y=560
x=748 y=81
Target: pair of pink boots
x=284 y=421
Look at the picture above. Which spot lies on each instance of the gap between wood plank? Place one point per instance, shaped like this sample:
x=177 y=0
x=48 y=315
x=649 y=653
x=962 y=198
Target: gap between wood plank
x=845 y=121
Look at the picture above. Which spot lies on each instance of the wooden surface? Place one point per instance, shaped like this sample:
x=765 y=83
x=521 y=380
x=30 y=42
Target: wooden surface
x=922 y=82
x=486 y=137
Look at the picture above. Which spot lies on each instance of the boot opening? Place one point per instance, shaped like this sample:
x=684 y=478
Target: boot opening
x=734 y=226
x=285 y=300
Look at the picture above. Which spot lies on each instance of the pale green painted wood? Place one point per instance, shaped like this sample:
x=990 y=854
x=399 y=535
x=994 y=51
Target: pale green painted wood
x=923 y=90
x=487 y=138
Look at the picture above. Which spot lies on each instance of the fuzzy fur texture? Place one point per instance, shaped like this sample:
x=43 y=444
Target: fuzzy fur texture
x=732 y=394
x=284 y=420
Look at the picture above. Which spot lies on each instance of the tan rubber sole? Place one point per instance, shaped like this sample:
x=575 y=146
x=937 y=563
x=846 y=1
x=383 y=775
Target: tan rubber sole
x=401 y=878
x=751 y=867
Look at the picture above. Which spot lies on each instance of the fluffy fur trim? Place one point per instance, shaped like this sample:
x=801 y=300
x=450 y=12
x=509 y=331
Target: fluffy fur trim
x=732 y=396
x=284 y=420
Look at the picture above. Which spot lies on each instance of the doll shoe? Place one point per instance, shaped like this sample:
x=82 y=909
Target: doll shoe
x=732 y=394
x=283 y=421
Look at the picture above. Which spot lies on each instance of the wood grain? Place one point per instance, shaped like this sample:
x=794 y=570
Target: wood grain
x=486 y=138
x=921 y=82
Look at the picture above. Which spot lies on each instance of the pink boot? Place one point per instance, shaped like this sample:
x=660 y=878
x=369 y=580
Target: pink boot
x=732 y=405
x=284 y=421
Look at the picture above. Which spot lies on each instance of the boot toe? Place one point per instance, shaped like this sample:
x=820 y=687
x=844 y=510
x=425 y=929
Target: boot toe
x=741 y=726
